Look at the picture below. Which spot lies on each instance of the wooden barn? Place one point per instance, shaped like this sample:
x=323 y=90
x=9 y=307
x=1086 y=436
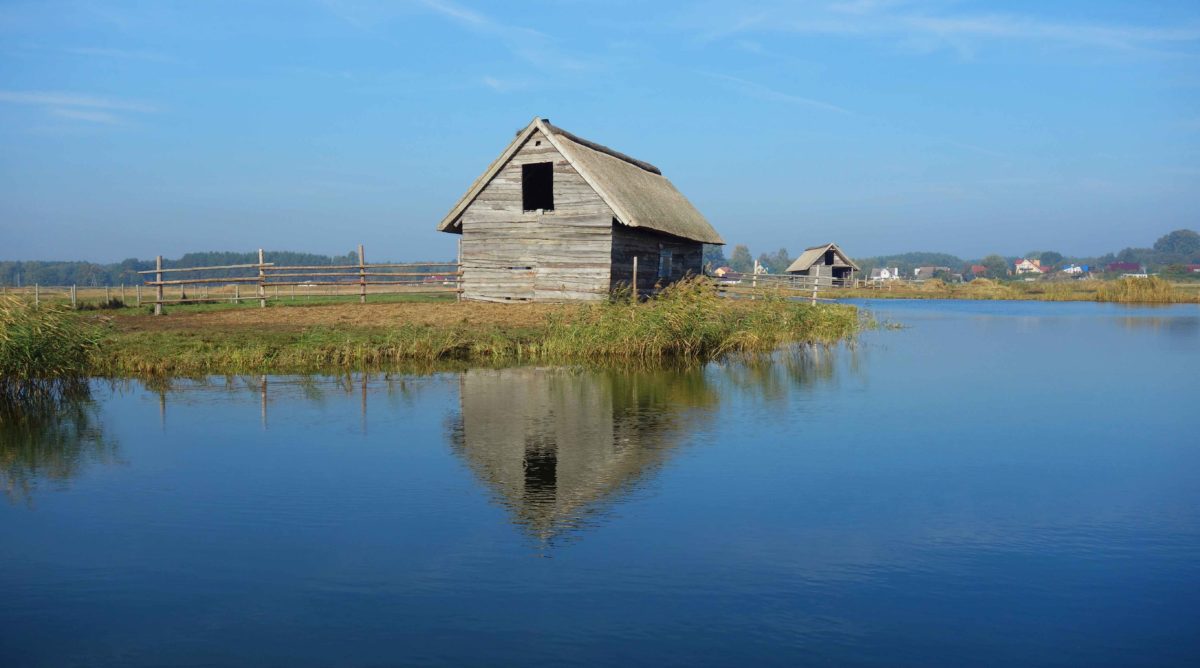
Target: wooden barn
x=824 y=261
x=557 y=217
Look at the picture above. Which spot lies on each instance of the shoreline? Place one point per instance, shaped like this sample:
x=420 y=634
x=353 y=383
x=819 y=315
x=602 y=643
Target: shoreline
x=686 y=325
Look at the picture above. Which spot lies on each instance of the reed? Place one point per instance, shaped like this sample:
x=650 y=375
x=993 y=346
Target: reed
x=45 y=352
x=1150 y=290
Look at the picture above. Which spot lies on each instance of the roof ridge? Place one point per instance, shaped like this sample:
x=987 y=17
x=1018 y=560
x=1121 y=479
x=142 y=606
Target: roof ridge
x=602 y=148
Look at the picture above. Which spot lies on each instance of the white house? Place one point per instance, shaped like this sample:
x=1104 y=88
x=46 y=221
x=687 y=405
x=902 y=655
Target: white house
x=1024 y=266
x=879 y=274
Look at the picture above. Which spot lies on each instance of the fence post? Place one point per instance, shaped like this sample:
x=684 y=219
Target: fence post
x=73 y=304
x=237 y=293
x=634 y=283
x=137 y=289
x=814 y=294
x=362 y=276
x=107 y=295
x=37 y=296
x=262 y=277
x=158 y=292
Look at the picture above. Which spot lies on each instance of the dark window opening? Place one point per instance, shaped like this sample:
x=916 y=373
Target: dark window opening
x=537 y=186
x=829 y=257
x=541 y=472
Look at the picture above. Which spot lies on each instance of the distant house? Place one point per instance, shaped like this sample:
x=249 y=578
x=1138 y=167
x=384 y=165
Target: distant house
x=558 y=217
x=1192 y=268
x=1124 y=268
x=880 y=274
x=1025 y=266
x=1074 y=269
x=825 y=261
x=926 y=273
x=723 y=272
x=977 y=269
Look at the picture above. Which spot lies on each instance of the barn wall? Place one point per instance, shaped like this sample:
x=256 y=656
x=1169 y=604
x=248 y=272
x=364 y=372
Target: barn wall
x=509 y=254
x=687 y=257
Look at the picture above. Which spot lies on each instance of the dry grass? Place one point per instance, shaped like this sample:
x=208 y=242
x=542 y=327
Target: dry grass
x=687 y=322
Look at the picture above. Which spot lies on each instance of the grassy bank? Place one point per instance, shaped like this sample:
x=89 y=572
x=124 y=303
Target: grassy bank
x=46 y=352
x=686 y=322
x=1152 y=290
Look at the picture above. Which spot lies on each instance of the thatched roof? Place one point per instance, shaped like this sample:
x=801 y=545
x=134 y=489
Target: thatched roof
x=636 y=191
x=810 y=256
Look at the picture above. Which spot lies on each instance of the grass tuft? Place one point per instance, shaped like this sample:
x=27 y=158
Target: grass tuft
x=45 y=352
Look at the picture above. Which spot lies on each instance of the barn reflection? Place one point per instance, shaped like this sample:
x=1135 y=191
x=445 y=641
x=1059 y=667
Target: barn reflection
x=557 y=445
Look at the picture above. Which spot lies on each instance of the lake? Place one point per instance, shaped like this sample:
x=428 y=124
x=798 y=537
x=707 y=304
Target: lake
x=995 y=483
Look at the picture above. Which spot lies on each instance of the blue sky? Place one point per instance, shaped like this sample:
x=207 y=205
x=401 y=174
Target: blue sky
x=133 y=129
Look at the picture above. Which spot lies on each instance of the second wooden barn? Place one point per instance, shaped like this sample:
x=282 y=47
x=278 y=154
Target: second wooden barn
x=825 y=261
x=557 y=217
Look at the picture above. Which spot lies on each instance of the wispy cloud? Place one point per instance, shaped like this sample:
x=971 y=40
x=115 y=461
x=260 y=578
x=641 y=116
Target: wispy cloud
x=524 y=43
x=123 y=54
x=77 y=106
x=85 y=115
x=504 y=85
x=766 y=93
x=932 y=25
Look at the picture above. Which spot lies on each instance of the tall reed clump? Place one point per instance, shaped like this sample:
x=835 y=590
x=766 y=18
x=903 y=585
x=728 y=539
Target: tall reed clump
x=1149 y=290
x=688 y=320
x=45 y=352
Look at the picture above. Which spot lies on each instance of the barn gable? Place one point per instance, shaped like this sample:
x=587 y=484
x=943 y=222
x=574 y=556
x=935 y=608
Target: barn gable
x=510 y=253
x=636 y=191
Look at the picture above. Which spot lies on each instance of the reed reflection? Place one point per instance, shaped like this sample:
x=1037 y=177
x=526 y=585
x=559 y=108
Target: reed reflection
x=50 y=441
x=556 y=444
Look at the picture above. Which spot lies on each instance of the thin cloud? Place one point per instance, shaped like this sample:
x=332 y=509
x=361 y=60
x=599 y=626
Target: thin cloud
x=925 y=23
x=766 y=93
x=504 y=85
x=123 y=54
x=460 y=14
x=85 y=115
x=76 y=106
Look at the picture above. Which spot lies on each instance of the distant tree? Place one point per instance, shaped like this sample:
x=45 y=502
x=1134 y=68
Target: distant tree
x=714 y=256
x=776 y=263
x=741 y=260
x=1050 y=258
x=1180 y=247
x=997 y=266
x=782 y=261
x=906 y=262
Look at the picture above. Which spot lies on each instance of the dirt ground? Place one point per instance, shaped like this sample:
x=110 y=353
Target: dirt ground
x=367 y=316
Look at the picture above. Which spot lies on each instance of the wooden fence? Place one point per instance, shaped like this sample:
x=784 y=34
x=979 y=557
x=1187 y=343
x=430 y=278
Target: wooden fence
x=267 y=278
x=750 y=285
x=265 y=281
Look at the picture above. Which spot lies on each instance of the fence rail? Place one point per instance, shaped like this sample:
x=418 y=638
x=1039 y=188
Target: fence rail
x=268 y=281
x=810 y=287
x=437 y=277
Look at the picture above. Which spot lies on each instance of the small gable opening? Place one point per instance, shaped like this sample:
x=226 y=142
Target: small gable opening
x=537 y=186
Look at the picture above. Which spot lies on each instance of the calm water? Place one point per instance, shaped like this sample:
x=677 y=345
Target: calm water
x=995 y=484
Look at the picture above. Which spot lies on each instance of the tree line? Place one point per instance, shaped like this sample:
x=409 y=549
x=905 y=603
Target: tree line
x=14 y=273
x=1171 y=253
